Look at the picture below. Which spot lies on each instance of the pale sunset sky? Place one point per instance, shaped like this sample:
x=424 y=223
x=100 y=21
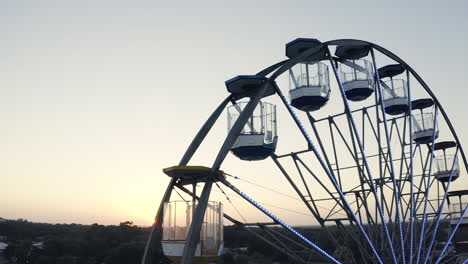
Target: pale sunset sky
x=96 y=97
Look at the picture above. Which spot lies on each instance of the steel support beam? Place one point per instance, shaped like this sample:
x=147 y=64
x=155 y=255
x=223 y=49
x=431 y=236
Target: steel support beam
x=282 y=223
x=369 y=174
x=153 y=248
x=197 y=220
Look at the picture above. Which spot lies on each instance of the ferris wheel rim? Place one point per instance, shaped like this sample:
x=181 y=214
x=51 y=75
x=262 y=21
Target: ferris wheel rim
x=279 y=68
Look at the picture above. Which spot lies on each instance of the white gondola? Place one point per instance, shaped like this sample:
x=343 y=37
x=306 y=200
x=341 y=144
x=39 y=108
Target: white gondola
x=356 y=73
x=456 y=210
x=309 y=80
x=445 y=162
x=257 y=141
x=176 y=224
x=423 y=128
x=357 y=77
x=423 y=122
x=309 y=84
x=443 y=168
x=395 y=96
x=394 y=91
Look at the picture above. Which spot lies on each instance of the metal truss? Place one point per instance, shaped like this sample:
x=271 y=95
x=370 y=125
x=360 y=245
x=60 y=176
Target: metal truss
x=395 y=206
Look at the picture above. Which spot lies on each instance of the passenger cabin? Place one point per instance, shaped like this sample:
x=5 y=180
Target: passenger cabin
x=457 y=208
x=176 y=224
x=446 y=162
x=423 y=122
x=356 y=73
x=394 y=91
x=309 y=80
x=257 y=140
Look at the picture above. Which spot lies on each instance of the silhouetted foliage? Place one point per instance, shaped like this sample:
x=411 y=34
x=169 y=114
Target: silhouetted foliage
x=38 y=243
x=73 y=244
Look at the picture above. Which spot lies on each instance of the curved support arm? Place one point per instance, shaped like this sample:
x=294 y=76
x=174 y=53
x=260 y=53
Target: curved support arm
x=197 y=220
x=203 y=132
x=153 y=248
x=270 y=69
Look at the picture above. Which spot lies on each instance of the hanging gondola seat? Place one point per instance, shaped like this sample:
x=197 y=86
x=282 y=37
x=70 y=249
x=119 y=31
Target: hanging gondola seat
x=397 y=103
x=307 y=97
x=257 y=140
x=251 y=147
x=423 y=136
x=444 y=174
x=456 y=208
x=357 y=89
x=176 y=224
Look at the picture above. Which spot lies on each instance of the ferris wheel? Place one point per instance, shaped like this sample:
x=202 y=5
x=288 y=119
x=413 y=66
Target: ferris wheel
x=377 y=172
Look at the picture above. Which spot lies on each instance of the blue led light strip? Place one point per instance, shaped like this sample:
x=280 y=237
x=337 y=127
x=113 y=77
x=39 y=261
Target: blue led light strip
x=441 y=208
x=279 y=221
